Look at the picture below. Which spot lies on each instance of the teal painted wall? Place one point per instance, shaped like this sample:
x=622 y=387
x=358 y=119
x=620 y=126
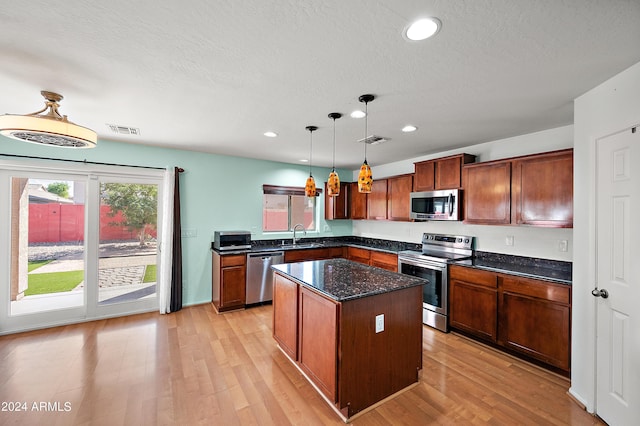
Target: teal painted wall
x=217 y=193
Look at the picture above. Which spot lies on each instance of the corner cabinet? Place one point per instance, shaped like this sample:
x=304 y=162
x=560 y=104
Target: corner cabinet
x=525 y=316
x=228 y=288
x=337 y=207
x=532 y=190
x=441 y=173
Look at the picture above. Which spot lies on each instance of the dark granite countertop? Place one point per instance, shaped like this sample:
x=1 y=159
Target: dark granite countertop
x=344 y=280
x=544 y=269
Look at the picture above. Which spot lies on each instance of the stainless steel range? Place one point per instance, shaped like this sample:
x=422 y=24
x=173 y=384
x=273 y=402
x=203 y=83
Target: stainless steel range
x=431 y=264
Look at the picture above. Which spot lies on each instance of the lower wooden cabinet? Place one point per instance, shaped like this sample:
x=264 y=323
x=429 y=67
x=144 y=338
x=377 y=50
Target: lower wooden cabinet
x=384 y=260
x=229 y=276
x=526 y=316
x=313 y=254
x=285 y=315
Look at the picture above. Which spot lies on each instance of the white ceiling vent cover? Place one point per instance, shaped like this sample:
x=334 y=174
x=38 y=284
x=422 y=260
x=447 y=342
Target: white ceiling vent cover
x=124 y=130
x=373 y=140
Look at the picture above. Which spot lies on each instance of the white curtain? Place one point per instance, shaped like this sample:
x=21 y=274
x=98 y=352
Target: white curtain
x=166 y=245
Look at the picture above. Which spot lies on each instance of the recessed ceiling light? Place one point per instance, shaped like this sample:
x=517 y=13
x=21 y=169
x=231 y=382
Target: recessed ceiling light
x=409 y=128
x=358 y=114
x=304 y=160
x=423 y=29
x=270 y=134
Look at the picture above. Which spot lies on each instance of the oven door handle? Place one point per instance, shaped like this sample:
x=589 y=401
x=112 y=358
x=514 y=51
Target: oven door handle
x=423 y=264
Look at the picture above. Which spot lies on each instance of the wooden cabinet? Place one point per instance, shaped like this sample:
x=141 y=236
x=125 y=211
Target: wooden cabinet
x=398 y=203
x=318 y=341
x=543 y=189
x=285 y=315
x=388 y=261
x=523 y=315
x=377 y=200
x=473 y=302
x=313 y=254
x=535 y=319
x=531 y=190
x=487 y=195
x=357 y=202
x=337 y=207
x=441 y=173
x=228 y=279
x=384 y=260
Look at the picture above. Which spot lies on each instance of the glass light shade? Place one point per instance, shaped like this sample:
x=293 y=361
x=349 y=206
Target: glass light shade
x=46 y=130
x=333 y=184
x=365 y=178
x=310 y=187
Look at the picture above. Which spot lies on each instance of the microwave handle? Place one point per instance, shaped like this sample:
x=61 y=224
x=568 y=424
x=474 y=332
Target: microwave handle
x=450 y=204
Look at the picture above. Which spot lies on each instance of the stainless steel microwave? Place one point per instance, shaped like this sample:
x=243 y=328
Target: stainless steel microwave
x=231 y=240
x=436 y=205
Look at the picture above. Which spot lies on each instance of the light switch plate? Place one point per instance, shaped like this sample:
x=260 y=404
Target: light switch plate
x=379 y=323
x=189 y=233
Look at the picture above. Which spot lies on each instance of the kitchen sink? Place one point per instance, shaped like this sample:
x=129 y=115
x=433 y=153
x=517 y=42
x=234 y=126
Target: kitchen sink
x=302 y=245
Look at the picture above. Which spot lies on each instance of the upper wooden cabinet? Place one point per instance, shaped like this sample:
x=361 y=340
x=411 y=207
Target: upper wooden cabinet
x=357 y=202
x=441 y=173
x=543 y=189
x=487 y=195
x=531 y=190
x=377 y=200
x=398 y=203
x=337 y=207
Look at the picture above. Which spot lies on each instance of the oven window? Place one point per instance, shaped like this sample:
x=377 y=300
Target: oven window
x=432 y=292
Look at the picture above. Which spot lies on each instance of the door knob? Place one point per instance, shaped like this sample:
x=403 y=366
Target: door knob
x=600 y=293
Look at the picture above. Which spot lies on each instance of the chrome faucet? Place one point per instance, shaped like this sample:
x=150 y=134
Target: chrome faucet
x=295 y=240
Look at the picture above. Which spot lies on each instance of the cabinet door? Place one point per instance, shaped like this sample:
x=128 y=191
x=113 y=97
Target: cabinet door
x=285 y=315
x=473 y=302
x=398 y=205
x=233 y=287
x=358 y=255
x=487 y=193
x=312 y=254
x=388 y=261
x=337 y=207
x=448 y=173
x=536 y=320
x=424 y=176
x=377 y=200
x=319 y=341
x=543 y=190
x=357 y=202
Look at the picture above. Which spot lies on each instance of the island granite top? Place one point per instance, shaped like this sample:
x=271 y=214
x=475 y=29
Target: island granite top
x=343 y=280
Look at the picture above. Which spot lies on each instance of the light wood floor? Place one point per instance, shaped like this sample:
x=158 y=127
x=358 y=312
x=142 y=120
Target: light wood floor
x=197 y=367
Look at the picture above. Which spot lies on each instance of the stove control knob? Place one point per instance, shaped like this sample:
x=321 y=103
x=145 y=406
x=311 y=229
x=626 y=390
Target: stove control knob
x=459 y=240
x=466 y=241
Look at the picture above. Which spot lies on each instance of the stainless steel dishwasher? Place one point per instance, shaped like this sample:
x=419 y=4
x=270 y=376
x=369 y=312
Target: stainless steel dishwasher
x=260 y=275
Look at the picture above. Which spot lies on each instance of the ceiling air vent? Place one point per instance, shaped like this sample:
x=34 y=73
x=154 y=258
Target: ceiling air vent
x=124 y=130
x=373 y=140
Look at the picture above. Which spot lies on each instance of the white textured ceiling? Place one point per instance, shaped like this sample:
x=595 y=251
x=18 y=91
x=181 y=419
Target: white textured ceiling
x=213 y=76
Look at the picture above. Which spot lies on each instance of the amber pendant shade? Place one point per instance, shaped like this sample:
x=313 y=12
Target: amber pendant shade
x=333 y=184
x=365 y=178
x=310 y=187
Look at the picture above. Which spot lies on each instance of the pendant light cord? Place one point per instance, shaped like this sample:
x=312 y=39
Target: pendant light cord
x=366 y=124
x=333 y=163
x=310 y=150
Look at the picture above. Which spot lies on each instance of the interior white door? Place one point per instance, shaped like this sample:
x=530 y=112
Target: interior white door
x=618 y=278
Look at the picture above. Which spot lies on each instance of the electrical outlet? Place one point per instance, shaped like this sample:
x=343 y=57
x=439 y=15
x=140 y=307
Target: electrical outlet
x=379 y=323
x=509 y=240
x=563 y=245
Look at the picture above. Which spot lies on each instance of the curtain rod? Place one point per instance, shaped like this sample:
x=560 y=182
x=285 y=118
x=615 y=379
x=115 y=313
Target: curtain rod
x=180 y=169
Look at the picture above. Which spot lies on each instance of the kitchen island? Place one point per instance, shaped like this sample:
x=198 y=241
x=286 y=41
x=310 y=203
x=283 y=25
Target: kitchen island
x=354 y=331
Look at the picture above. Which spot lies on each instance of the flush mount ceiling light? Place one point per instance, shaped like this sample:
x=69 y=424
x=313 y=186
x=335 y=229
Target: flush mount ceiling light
x=422 y=29
x=270 y=134
x=365 y=177
x=310 y=186
x=50 y=128
x=333 y=184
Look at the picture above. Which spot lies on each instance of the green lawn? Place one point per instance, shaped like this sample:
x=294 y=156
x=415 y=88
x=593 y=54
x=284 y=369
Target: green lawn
x=53 y=282
x=36 y=264
x=149 y=274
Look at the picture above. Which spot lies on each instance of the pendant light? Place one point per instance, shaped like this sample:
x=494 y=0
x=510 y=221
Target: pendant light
x=333 y=184
x=310 y=186
x=47 y=129
x=365 y=178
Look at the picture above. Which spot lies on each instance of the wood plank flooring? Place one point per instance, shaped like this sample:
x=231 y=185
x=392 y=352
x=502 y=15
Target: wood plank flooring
x=197 y=367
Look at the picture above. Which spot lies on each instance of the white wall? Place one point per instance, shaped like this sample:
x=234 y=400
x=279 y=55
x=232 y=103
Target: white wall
x=606 y=109
x=528 y=241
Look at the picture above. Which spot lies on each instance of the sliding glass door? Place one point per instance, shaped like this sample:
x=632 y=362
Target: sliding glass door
x=76 y=246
